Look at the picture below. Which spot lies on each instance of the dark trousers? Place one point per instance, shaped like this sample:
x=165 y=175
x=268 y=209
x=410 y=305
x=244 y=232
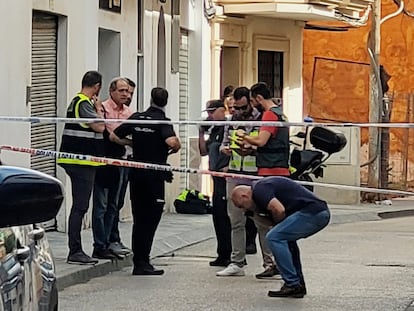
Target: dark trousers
x=147 y=201
x=221 y=220
x=251 y=231
x=114 y=236
x=82 y=179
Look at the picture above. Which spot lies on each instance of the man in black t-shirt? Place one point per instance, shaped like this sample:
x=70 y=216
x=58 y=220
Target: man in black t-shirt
x=218 y=162
x=151 y=143
x=296 y=213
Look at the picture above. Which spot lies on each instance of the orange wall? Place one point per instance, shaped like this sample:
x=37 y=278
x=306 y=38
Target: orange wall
x=339 y=90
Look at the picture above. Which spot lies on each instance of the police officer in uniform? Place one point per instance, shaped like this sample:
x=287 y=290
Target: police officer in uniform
x=151 y=143
x=218 y=162
x=84 y=139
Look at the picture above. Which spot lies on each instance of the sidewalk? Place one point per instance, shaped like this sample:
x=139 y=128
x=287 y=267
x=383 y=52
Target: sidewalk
x=177 y=231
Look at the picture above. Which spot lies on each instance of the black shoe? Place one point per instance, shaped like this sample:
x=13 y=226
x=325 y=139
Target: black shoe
x=304 y=288
x=219 y=262
x=297 y=291
x=80 y=258
x=103 y=254
x=146 y=270
x=268 y=273
x=251 y=249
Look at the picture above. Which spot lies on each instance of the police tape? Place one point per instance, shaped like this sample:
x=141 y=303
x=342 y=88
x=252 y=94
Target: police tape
x=123 y=163
x=204 y=122
x=159 y=167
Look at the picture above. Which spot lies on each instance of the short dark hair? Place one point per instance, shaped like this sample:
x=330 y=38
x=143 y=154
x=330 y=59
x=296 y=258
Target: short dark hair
x=213 y=104
x=130 y=82
x=241 y=92
x=228 y=90
x=91 y=78
x=260 y=88
x=159 y=96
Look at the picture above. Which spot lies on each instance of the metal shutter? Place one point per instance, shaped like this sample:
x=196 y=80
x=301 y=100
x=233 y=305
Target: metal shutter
x=183 y=106
x=43 y=93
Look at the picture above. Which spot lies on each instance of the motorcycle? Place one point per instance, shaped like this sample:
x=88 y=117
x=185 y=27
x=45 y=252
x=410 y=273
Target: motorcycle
x=306 y=162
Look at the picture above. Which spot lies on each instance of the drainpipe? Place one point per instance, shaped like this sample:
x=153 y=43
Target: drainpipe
x=375 y=105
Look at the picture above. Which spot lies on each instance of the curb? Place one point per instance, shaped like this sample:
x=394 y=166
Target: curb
x=370 y=216
x=395 y=214
x=410 y=307
x=354 y=217
x=86 y=273
x=160 y=248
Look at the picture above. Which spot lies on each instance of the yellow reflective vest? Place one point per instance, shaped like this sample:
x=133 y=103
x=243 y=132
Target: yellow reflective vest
x=238 y=163
x=79 y=138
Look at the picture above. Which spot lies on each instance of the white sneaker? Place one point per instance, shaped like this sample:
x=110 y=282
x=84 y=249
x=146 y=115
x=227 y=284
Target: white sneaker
x=231 y=270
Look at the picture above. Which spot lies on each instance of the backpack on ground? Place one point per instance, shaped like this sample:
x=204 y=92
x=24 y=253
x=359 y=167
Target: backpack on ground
x=192 y=201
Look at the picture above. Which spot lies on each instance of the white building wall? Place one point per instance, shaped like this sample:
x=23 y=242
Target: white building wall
x=78 y=25
x=15 y=52
x=79 y=22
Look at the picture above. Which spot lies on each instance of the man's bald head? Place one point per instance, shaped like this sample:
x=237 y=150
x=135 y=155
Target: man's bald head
x=242 y=197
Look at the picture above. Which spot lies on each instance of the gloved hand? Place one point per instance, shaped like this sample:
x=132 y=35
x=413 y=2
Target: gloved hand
x=168 y=176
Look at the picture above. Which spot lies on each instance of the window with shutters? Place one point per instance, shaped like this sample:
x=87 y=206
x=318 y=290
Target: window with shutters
x=183 y=107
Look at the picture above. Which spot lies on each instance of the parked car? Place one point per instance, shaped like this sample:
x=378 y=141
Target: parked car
x=27 y=269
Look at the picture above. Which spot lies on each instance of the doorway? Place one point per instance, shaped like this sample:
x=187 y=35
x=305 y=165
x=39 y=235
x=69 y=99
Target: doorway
x=230 y=67
x=109 y=58
x=270 y=70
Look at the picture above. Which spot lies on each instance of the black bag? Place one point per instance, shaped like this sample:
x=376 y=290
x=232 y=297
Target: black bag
x=192 y=202
x=327 y=140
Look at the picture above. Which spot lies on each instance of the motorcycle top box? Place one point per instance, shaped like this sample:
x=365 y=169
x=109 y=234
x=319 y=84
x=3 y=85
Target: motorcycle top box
x=327 y=140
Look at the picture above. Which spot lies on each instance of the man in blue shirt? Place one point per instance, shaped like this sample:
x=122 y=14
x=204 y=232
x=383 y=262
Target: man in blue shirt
x=296 y=213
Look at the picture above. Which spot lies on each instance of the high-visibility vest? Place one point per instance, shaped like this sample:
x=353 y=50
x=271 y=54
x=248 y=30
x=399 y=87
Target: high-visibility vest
x=79 y=138
x=239 y=163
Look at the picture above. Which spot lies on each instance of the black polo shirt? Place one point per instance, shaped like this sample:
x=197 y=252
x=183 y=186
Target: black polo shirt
x=216 y=159
x=148 y=140
x=292 y=195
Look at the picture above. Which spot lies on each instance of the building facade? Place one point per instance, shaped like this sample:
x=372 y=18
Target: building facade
x=193 y=48
x=51 y=44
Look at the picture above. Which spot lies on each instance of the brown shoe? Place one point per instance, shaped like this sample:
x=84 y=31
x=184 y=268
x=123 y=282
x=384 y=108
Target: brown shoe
x=268 y=273
x=296 y=291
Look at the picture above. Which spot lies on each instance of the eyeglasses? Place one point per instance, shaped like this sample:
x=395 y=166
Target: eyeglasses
x=241 y=107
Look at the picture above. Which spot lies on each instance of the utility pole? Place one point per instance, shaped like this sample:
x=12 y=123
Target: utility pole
x=375 y=99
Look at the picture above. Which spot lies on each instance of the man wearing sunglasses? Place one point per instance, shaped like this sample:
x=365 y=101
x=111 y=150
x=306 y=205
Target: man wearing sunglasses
x=243 y=161
x=272 y=142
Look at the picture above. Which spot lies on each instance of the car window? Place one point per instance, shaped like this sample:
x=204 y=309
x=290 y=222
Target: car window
x=7 y=242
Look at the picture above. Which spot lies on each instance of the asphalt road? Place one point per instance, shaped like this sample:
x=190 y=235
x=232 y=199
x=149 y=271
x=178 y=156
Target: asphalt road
x=357 y=266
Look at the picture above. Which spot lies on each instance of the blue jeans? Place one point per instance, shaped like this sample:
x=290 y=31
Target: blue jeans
x=282 y=241
x=105 y=209
x=114 y=235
